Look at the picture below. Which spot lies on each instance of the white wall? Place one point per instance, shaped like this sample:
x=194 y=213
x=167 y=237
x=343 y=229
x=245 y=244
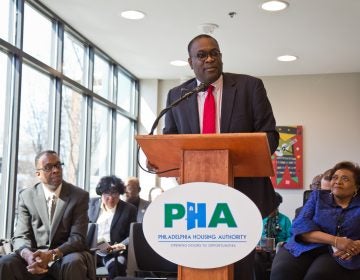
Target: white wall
x=328 y=108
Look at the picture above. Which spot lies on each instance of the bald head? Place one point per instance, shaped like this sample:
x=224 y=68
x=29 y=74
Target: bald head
x=132 y=190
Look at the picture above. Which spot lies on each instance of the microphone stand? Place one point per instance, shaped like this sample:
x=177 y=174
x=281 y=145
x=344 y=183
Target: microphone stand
x=201 y=87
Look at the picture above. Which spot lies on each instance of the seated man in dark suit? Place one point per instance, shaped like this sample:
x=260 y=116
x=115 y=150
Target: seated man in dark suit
x=132 y=196
x=51 y=228
x=113 y=217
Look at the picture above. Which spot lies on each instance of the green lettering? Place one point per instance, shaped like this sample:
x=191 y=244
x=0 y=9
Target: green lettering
x=222 y=215
x=173 y=212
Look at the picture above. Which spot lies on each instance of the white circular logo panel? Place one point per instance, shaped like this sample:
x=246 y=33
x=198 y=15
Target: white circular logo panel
x=202 y=225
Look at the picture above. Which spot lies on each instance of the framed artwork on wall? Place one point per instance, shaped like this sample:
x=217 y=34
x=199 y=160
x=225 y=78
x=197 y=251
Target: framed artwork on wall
x=288 y=158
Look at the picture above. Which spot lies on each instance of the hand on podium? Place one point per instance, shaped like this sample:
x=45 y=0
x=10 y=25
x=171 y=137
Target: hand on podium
x=151 y=167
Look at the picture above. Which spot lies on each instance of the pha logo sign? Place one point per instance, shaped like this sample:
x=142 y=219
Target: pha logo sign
x=193 y=222
x=196 y=215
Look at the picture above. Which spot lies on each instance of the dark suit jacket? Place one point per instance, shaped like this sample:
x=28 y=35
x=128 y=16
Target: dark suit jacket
x=143 y=205
x=69 y=228
x=245 y=108
x=125 y=214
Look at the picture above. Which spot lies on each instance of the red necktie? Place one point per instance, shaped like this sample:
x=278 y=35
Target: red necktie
x=209 y=112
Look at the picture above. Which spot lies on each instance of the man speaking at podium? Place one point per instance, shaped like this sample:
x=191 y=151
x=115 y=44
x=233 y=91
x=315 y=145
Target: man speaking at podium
x=232 y=103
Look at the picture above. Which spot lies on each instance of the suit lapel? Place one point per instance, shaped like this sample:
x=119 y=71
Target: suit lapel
x=227 y=103
x=192 y=116
x=61 y=204
x=117 y=214
x=41 y=205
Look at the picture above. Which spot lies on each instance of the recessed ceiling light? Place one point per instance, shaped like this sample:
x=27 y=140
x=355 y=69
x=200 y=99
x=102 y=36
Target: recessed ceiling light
x=274 y=5
x=287 y=58
x=132 y=14
x=179 y=63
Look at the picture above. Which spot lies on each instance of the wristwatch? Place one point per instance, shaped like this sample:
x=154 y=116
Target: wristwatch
x=55 y=256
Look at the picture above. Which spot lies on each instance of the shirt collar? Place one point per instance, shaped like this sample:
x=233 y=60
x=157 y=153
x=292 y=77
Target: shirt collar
x=48 y=193
x=217 y=84
x=106 y=209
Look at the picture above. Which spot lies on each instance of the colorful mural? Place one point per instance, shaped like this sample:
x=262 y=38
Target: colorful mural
x=288 y=158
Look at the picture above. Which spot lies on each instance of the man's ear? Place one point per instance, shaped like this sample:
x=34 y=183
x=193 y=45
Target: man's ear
x=190 y=62
x=37 y=173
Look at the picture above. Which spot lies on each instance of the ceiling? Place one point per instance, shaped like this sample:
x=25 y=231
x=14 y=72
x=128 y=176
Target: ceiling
x=324 y=34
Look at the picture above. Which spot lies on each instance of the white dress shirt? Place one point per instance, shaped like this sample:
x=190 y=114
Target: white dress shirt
x=104 y=222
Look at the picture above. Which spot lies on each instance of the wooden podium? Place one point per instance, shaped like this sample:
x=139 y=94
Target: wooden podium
x=216 y=158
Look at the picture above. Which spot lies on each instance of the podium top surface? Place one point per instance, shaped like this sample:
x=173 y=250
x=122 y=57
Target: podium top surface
x=249 y=152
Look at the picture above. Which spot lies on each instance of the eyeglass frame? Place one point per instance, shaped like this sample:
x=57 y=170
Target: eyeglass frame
x=343 y=178
x=112 y=194
x=202 y=55
x=49 y=167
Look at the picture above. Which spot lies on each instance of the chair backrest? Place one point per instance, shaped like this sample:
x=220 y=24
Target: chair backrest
x=306 y=195
x=146 y=258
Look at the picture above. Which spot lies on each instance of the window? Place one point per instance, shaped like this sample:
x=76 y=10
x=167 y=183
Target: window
x=72 y=130
x=3 y=84
x=125 y=93
x=124 y=132
x=101 y=77
x=38 y=36
x=4 y=19
x=100 y=145
x=34 y=123
x=74 y=59
x=41 y=109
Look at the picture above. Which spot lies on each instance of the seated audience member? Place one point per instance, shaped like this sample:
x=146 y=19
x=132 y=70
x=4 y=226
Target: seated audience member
x=319 y=182
x=155 y=192
x=113 y=217
x=316 y=182
x=325 y=180
x=49 y=238
x=277 y=226
x=325 y=241
x=132 y=192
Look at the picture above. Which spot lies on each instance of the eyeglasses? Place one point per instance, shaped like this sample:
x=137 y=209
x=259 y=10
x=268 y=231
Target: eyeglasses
x=112 y=194
x=50 y=167
x=202 y=56
x=342 y=178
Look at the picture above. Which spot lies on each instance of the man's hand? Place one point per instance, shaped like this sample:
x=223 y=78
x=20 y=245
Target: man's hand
x=37 y=262
x=27 y=255
x=151 y=167
x=43 y=258
x=36 y=268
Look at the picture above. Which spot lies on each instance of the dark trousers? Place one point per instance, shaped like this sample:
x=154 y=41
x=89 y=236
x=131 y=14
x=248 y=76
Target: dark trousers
x=244 y=269
x=71 y=266
x=263 y=262
x=316 y=264
x=115 y=264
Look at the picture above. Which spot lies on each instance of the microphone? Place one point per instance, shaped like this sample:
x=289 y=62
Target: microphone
x=199 y=88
